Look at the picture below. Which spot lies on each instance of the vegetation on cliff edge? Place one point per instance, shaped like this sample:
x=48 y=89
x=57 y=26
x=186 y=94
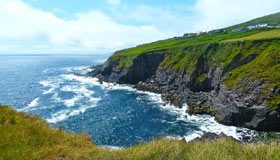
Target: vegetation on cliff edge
x=243 y=51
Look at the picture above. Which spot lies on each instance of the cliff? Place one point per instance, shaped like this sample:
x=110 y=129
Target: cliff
x=228 y=73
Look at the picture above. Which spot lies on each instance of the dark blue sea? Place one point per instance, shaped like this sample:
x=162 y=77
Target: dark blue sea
x=113 y=115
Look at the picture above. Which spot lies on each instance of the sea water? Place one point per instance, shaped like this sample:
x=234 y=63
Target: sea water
x=113 y=115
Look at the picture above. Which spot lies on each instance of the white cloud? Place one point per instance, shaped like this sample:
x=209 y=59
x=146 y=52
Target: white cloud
x=173 y=20
x=24 y=27
x=93 y=31
x=213 y=14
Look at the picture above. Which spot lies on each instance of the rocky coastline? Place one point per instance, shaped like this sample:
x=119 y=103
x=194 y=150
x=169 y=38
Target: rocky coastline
x=202 y=90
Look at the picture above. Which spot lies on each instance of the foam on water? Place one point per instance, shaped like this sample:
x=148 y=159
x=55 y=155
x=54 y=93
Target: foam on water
x=51 y=84
x=206 y=123
x=113 y=148
x=81 y=90
x=94 y=81
x=67 y=113
x=81 y=79
x=72 y=102
x=34 y=103
x=80 y=69
x=78 y=85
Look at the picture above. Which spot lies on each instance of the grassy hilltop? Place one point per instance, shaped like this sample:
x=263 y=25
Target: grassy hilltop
x=247 y=50
x=25 y=136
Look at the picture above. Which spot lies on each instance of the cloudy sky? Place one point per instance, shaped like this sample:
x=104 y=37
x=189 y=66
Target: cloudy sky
x=103 y=26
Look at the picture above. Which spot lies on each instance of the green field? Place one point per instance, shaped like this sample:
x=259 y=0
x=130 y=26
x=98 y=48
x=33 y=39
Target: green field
x=262 y=35
x=27 y=137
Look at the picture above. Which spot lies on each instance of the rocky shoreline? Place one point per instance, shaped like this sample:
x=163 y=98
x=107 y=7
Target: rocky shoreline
x=202 y=90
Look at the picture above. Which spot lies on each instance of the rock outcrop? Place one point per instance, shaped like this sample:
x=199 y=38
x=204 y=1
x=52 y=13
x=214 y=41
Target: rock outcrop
x=203 y=89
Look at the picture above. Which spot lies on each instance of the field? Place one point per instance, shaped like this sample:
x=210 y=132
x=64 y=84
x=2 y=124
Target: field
x=262 y=35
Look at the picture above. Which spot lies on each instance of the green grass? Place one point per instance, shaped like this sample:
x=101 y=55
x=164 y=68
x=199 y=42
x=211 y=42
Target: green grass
x=220 y=50
x=233 y=33
x=262 y=35
x=24 y=136
x=125 y=57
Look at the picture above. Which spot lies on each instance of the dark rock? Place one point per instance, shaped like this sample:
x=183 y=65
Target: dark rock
x=213 y=136
x=202 y=90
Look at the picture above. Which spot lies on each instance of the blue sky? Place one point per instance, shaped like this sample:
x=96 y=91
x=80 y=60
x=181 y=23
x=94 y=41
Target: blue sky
x=103 y=26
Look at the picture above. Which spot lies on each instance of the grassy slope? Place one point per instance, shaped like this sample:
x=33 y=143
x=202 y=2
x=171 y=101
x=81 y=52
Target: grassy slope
x=230 y=34
x=183 y=53
x=262 y=35
x=264 y=44
x=27 y=137
x=234 y=32
x=126 y=56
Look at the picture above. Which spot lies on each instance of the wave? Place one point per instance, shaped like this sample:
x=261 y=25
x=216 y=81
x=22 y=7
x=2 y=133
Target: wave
x=111 y=147
x=81 y=95
x=78 y=89
x=34 y=103
x=45 y=71
x=51 y=85
x=51 y=90
x=79 y=69
x=72 y=102
x=94 y=81
x=205 y=123
x=65 y=114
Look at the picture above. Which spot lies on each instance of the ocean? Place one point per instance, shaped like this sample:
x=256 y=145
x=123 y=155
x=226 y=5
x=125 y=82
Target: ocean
x=113 y=115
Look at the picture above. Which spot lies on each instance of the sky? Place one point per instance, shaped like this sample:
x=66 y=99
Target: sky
x=104 y=26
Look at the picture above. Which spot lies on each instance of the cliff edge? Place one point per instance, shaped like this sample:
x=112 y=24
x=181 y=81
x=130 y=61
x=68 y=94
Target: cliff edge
x=232 y=73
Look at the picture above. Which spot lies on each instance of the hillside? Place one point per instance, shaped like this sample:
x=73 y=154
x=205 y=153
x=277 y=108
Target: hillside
x=231 y=73
x=28 y=137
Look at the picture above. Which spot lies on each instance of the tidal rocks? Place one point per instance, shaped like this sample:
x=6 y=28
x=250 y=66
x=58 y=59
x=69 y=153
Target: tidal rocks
x=213 y=136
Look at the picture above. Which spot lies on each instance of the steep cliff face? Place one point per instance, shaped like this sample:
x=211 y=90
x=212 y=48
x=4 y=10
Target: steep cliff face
x=206 y=78
x=143 y=67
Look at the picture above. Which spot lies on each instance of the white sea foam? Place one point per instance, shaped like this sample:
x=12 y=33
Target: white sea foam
x=192 y=136
x=45 y=71
x=34 y=103
x=45 y=83
x=82 y=90
x=95 y=82
x=51 y=84
x=81 y=79
x=71 y=102
x=80 y=69
x=111 y=147
x=49 y=91
x=205 y=123
x=65 y=114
